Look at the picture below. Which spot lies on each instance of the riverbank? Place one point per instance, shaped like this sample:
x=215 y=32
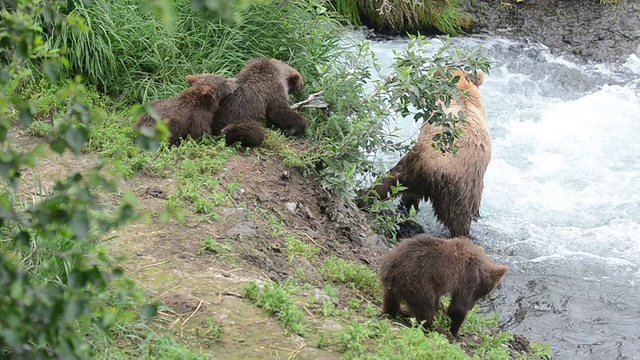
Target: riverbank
x=586 y=29
x=279 y=267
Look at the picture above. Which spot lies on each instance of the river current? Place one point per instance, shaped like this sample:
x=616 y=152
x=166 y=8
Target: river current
x=561 y=204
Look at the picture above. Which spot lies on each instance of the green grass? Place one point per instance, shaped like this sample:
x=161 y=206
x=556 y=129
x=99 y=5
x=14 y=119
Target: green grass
x=298 y=247
x=276 y=299
x=130 y=54
x=354 y=275
x=444 y=16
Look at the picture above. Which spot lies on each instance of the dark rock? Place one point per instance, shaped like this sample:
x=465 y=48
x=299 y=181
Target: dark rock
x=245 y=228
x=309 y=272
x=588 y=29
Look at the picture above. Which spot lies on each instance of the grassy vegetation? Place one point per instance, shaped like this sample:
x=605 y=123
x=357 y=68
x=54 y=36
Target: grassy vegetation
x=442 y=16
x=365 y=334
x=276 y=299
x=132 y=55
x=356 y=276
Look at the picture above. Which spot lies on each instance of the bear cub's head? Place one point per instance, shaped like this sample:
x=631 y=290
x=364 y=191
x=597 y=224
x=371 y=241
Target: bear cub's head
x=468 y=80
x=294 y=81
x=221 y=86
x=489 y=273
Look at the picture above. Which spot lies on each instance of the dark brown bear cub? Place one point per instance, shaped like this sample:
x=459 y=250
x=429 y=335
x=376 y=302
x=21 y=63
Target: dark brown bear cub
x=422 y=269
x=264 y=86
x=191 y=112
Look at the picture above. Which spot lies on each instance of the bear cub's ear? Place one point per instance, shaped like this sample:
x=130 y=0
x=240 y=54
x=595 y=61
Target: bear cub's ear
x=497 y=272
x=479 y=78
x=206 y=79
x=296 y=83
x=194 y=79
x=232 y=83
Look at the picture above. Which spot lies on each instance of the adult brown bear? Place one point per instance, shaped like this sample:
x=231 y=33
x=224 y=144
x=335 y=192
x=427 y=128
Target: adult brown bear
x=422 y=269
x=191 y=112
x=453 y=182
x=264 y=86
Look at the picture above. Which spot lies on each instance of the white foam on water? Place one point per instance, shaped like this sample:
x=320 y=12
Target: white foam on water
x=633 y=63
x=570 y=168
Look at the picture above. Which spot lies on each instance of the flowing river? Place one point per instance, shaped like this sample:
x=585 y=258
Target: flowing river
x=561 y=204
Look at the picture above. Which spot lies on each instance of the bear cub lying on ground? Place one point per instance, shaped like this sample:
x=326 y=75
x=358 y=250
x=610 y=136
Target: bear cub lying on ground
x=422 y=269
x=192 y=111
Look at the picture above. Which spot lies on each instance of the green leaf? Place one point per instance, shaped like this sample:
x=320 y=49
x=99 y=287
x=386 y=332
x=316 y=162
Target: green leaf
x=72 y=310
x=26 y=118
x=4 y=130
x=108 y=319
x=22 y=239
x=149 y=311
x=76 y=137
x=58 y=146
x=51 y=70
x=22 y=50
x=6 y=207
x=80 y=224
x=76 y=279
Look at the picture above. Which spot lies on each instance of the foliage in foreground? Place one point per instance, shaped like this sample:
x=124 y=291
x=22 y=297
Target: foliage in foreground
x=62 y=296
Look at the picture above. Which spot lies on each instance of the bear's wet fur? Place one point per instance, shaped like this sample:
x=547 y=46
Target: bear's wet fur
x=191 y=112
x=453 y=182
x=422 y=269
x=264 y=86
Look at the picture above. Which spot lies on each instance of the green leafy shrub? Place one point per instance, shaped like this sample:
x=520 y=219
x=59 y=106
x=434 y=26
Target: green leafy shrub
x=63 y=296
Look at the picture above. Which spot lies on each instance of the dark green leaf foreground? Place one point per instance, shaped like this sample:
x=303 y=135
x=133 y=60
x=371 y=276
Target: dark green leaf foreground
x=114 y=245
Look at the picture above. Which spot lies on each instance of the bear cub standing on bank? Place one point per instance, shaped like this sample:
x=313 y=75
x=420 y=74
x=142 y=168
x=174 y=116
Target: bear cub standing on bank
x=422 y=269
x=191 y=112
x=264 y=86
x=453 y=182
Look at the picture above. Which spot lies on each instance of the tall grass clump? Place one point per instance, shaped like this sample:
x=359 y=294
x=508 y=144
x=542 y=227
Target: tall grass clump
x=428 y=16
x=129 y=53
x=349 y=9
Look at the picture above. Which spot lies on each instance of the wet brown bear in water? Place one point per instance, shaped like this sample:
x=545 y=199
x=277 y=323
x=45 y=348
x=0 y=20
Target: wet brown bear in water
x=263 y=89
x=422 y=269
x=453 y=182
x=191 y=112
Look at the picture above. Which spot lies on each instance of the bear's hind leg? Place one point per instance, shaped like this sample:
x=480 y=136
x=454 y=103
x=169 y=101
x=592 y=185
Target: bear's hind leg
x=390 y=303
x=453 y=210
x=249 y=134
